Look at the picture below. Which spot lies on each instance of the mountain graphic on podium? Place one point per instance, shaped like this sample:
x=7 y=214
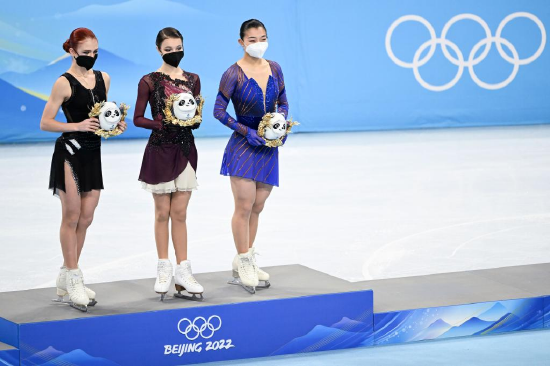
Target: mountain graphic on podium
x=346 y=333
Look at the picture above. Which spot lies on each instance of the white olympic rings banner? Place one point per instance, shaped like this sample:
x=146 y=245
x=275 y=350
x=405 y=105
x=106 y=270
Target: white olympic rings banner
x=460 y=61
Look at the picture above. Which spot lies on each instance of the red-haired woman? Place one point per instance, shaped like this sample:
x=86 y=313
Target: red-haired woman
x=75 y=175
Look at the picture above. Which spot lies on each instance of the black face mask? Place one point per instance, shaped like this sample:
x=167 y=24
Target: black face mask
x=173 y=58
x=86 y=62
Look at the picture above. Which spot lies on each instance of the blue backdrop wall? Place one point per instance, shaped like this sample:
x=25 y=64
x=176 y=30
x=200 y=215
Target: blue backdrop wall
x=348 y=65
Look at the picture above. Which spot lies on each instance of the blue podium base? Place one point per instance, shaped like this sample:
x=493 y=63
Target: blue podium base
x=9 y=355
x=306 y=311
x=303 y=311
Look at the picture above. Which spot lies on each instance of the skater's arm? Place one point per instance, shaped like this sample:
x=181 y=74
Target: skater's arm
x=227 y=87
x=61 y=91
x=196 y=93
x=107 y=82
x=197 y=87
x=282 y=102
x=141 y=104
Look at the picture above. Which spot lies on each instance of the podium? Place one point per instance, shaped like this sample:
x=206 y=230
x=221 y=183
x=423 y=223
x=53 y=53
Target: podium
x=303 y=311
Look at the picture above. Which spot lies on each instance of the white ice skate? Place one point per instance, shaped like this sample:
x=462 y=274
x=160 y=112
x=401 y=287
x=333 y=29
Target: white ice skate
x=185 y=281
x=61 y=284
x=164 y=277
x=245 y=272
x=263 y=276
x=75 y=287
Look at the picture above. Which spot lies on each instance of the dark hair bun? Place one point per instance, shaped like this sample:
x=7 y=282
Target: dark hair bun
x=77 y=36
x=67 y=45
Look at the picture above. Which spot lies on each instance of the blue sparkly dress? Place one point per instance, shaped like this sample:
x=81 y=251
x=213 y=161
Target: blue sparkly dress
x=259 y=163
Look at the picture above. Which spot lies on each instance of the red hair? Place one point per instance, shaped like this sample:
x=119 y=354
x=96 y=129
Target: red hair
x=77 y=36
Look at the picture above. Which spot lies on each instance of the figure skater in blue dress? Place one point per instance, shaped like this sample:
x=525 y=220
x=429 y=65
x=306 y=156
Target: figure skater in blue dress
x=256 y=87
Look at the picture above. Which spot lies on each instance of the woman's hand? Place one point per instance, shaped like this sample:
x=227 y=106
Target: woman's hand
x=253 y=138
x=122 y=126
x=88 y=125
x=160 y=122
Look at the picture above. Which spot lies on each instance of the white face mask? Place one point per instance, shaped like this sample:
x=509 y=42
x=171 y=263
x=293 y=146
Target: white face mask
x=256 y=49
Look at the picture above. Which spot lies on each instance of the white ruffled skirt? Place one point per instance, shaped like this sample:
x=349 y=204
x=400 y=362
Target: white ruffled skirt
x=186 y=181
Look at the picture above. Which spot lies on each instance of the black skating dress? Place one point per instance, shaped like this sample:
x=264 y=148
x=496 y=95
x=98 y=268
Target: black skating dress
x=81 y=150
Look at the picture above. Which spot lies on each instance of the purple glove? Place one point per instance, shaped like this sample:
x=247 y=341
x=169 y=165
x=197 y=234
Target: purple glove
x=253 y=138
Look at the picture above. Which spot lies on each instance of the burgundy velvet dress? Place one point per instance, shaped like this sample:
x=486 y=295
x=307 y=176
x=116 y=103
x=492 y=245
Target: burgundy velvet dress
x=170 y=147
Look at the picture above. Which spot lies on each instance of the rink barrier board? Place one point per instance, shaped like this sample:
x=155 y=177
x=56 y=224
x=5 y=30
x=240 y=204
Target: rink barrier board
x=474 y=319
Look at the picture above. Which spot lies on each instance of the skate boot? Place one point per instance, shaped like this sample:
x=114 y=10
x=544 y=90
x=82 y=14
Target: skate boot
x=164 y=277
x=185 y=281
x=75 y=287
x=61 y=284
x=245 y=272
x=263 y=276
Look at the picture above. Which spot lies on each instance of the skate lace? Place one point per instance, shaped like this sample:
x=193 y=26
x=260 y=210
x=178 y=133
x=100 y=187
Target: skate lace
x=77 y=286
x=248 y=264
x=164 y=275
x=186 y=274
x=85 y=288
x=254 y=254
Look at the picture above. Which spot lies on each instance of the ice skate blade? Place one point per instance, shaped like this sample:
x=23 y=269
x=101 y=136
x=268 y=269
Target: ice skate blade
x=162 y=296
x=83 y=308
x=195 y=296
x=236 y=281
x=265 y=285
x=60 y=300
x=192 y=297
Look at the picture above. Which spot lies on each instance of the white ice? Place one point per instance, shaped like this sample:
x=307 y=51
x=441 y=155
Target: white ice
x=367 y=205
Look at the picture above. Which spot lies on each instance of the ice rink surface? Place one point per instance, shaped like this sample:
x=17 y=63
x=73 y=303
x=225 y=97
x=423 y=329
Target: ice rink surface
x=368 y=205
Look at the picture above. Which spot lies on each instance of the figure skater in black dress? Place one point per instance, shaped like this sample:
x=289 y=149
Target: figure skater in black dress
x=75 y=175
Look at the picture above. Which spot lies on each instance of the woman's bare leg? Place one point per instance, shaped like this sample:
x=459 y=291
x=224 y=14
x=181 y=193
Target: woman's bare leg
x=70 y=214
x=262 y=193
x=88 y=204
x=244 y=193
x=178 y=216
x=162 y=215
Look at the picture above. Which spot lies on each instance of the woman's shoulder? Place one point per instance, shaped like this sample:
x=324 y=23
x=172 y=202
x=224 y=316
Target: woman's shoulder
x=103 y=75
x=63 y=82
x=274 y=65
x=233 y=69
x=149 y=77
x=192 y=75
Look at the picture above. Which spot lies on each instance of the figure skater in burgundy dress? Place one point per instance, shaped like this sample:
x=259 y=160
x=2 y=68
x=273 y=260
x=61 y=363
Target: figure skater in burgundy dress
x=169 y=166
x=256 y=87
x=75 y=174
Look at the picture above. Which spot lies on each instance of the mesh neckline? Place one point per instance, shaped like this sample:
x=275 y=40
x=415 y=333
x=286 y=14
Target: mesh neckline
x=166 y=76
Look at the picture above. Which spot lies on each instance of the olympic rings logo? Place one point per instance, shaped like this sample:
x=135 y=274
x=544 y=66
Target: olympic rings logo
x=459 y=60
x=199 y=327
